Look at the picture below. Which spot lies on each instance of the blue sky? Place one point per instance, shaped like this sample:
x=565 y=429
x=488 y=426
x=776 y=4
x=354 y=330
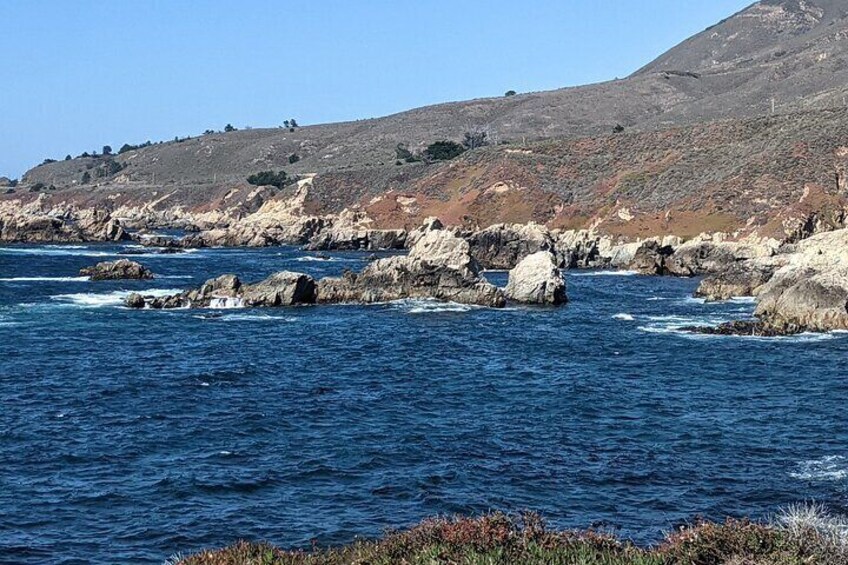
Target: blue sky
x=78 y=75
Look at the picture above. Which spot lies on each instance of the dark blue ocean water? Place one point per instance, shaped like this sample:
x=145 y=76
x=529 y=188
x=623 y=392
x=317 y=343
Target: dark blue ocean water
x=128 y=436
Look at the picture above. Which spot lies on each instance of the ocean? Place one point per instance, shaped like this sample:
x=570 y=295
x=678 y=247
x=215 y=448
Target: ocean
x=130 y=436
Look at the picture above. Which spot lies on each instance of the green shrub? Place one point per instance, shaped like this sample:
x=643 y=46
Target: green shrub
x=270 y=178
x=86 y=178
x=229 y=127
x=510 y=93
x=443 y=151
x=294 y=158
x=127 y=147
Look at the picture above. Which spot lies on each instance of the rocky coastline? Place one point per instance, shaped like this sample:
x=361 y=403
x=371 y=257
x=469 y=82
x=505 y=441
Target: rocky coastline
x=799 y=284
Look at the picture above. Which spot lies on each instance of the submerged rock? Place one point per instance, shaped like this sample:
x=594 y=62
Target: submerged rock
x=741 y=328
x=123 y=269
x=135 y=300
x=537 y=280
x=439 y=266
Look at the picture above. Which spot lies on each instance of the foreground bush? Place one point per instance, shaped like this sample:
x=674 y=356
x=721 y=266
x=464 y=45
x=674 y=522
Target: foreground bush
x=800 y=537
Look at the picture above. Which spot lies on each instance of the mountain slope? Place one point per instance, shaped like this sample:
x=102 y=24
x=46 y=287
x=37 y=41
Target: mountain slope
x=789 y=57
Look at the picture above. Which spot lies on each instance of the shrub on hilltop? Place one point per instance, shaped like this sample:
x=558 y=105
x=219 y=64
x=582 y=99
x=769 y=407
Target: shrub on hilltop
x=270 y=178
x=443 y=151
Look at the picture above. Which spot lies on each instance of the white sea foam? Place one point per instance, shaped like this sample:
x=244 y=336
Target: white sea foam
x=46 y=279
x=115 y=298
x=245 y=318
x=624 y=317
x=57 y=250
x=431 y=306
x=603 y=274
x=312 y=258
x=226 y=303
x=827 y=469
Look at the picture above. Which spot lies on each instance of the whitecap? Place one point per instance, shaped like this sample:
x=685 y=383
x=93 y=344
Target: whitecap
x=603 y=274
x=624 y=317
x=829 y=468
x=46 y=279
x=115 y=298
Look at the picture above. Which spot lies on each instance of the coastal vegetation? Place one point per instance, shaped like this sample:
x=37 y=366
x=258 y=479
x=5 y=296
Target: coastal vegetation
x=801 y=535
x=271 y=178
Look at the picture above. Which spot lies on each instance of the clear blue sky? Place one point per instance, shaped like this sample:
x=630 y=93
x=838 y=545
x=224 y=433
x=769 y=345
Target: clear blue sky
x=80 y=74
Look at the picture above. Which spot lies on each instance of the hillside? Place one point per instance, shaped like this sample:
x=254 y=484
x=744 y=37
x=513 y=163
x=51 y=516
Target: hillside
x=790 y=56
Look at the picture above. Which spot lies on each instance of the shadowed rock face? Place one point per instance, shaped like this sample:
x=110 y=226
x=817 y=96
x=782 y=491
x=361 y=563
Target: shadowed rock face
x=439 y=266
x=537 y=280
x=504 y=246
x=281 y=289
x=739 y=280
x=117 y=270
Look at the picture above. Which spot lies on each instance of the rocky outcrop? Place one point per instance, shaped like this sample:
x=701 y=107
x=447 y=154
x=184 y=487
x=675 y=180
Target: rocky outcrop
x=650 y=258
x=802 y=288
x=430 y=224
x=122 y=269
x=537 y=280
x=503 y=246
x=353 y=231
x=742 y=279
x=38 y=223
x=580 y=249
x=280 y=289
x=439 y=266
x=712 y=254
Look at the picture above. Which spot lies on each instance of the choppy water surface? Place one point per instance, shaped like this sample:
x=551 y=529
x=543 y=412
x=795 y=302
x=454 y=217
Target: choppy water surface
x=127 y=436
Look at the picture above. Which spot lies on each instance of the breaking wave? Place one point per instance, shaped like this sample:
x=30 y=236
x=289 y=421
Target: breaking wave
x=46 y=279
x=829 y=468
x=603 y=274
x=102 y=299
x=57 y=250
x=431 y=306
x=226 y=303
x=624 y=317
